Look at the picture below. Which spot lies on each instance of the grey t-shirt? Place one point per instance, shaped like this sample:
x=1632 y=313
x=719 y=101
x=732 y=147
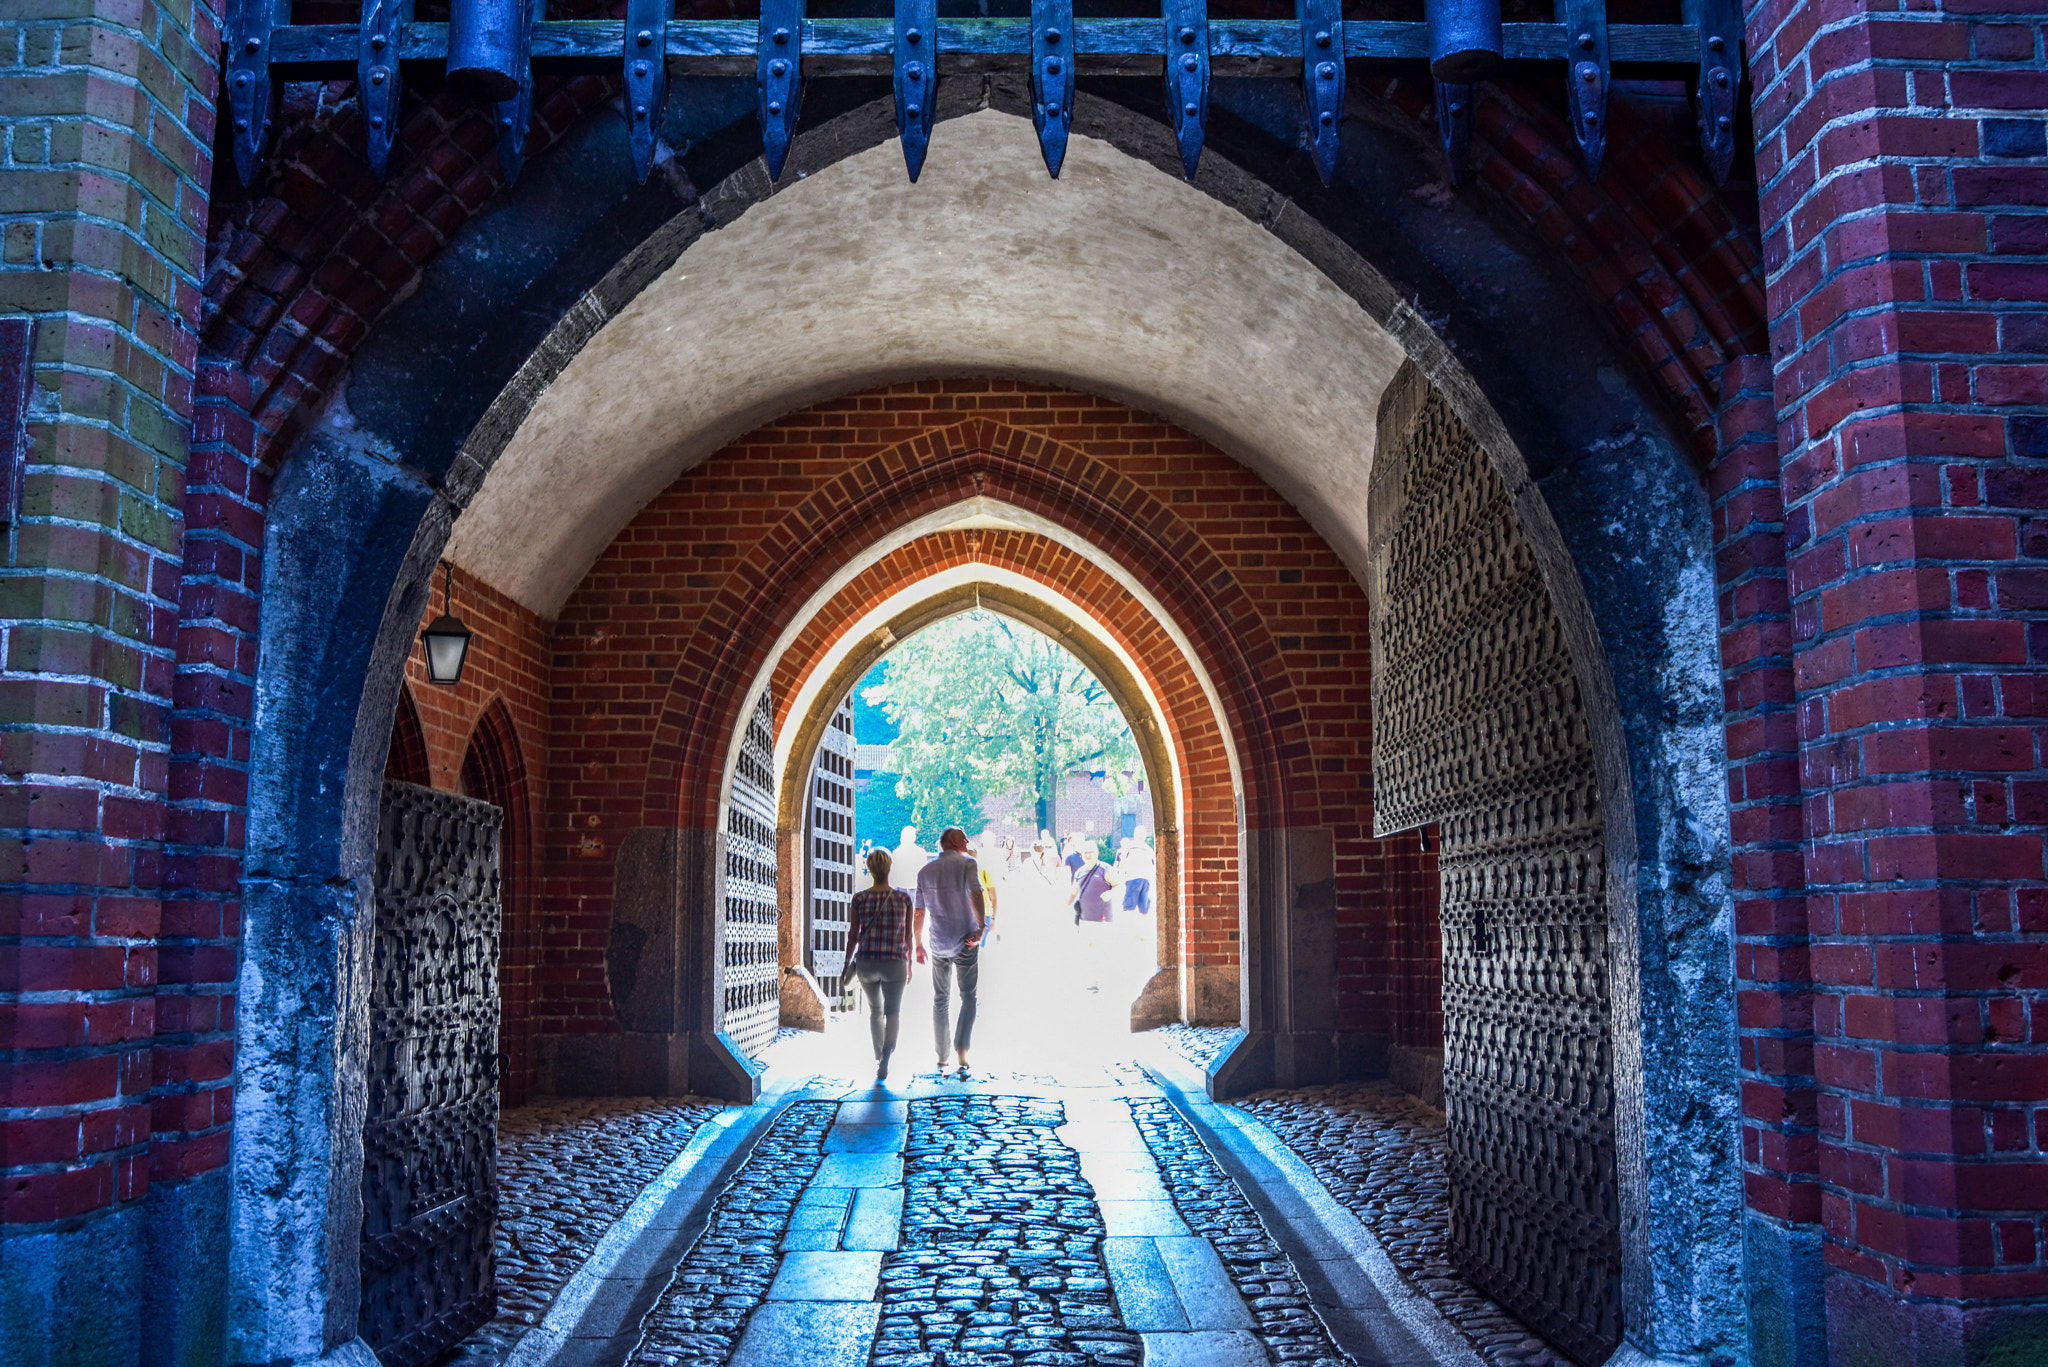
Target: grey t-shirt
x=945 y=892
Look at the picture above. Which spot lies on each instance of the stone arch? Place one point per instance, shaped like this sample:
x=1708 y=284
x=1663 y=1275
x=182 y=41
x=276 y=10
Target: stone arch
x=358 y=515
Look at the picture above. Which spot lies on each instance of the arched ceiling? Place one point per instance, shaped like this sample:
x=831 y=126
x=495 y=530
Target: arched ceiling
x=1118 y=278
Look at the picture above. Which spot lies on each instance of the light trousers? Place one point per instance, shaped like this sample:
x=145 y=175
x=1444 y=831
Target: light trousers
x=966 y=965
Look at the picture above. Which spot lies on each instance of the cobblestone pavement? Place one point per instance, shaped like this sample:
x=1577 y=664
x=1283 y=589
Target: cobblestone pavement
x=1198 y=1044
x=729 y=1269
x=1212 y=1206
x=1001 y=1261
x=567 y=1168
x=1380 y=1151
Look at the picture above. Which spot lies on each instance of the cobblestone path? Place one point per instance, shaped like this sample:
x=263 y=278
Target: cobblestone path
x=1213 y=1207
x=567 y=1168
x=1381 y=1153
x=731 y=1266
x=1198 y=1044
x=1001 y=1261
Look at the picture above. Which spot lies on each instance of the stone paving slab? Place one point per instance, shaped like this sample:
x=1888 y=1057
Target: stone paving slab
x=875 y=1221
x=826 y=1276
x=1205 y=1348
x=861 y=1170
x=809 y=1334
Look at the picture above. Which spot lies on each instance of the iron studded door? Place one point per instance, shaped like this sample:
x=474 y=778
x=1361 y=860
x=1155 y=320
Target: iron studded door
x=751 y=974
x=430 y=1138
x=831 y=842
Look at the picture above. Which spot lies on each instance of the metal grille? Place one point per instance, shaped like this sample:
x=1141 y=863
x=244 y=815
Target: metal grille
x=1478 y=725
x=430 y=1137
x=752 y=964
x=831 y=847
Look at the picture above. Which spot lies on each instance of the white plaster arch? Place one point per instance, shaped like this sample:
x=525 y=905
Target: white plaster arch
x=1117 y=278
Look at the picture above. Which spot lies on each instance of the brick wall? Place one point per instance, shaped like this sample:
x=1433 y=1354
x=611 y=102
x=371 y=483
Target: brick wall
x=113 y=993
x=1900 y=151
x=676 y=617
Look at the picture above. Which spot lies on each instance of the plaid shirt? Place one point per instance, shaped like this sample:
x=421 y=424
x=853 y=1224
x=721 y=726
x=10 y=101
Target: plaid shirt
x=881 y=924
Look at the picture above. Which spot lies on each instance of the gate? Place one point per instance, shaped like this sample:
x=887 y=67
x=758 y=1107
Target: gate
x=430 y=1137
x=831 y=851
x=751 y=969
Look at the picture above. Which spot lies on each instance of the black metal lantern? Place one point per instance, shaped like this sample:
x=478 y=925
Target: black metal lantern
x=446 y=638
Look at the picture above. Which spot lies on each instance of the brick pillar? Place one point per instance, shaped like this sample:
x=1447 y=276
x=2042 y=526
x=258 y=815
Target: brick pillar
x=106 y=121
x=1774 y=1002
x=1900 y=153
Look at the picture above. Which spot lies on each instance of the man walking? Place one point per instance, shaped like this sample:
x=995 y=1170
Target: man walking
x=949 y=897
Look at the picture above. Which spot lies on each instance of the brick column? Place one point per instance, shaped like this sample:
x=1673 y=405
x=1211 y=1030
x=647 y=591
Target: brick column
x=1774 y=991
x=106 y=121
x=1901 y=157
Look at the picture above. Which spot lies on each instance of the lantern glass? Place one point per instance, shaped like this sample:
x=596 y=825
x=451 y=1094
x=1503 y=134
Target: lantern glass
x=447 y=645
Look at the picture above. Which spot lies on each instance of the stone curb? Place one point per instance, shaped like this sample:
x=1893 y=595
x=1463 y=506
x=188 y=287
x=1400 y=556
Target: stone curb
x=1372 y=1311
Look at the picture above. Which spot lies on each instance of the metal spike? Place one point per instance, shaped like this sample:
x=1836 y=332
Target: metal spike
x=778 y=78
x=514 y=115
x=248 y=77
x=917 y=78
x=1454 y=127
x=1322 y=78
x=1588 y=78
x=1052 y=78
x=1720 y=28
x=379 y=82
x=1187 y=76
x=645 y=55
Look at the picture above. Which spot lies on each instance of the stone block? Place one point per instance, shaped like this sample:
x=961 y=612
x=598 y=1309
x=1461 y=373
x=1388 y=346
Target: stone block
x=803 y=1002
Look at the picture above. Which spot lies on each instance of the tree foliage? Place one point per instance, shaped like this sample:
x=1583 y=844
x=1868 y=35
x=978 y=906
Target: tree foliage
x=983 y=706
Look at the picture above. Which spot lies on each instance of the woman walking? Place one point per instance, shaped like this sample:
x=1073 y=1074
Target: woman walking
x=878 y=937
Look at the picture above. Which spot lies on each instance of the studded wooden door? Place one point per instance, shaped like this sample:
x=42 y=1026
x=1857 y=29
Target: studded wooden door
x=1478 y=726
x=831 y=850
x=430 y=1136
x=751 y=970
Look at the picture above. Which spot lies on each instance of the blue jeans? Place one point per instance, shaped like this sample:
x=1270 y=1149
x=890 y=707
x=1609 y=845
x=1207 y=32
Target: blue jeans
x=967 y=964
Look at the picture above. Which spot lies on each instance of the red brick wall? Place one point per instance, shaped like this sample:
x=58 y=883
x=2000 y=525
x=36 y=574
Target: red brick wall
x=654 y=652
x=1901 y=160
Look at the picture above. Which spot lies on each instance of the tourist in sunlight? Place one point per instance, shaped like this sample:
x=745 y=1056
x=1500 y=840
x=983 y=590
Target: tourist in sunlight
x=878 y=938
x=950 y=901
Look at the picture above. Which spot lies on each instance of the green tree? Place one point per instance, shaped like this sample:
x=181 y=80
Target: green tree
x=982 y=706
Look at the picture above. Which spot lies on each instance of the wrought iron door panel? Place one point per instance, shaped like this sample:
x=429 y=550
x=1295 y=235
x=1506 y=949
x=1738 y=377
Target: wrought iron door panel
x=1478 y=726
x=430 y=1136
x=751 y=971
x=830 y=836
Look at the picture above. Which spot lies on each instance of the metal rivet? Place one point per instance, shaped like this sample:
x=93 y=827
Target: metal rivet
x=1720 y=76
x=377 y=76
x=1326 y=71
x=1721 y=122
x=778 y=67
x=645 y=37
x=911 y=110
x=774 y=106
x=1187 y=35
x=641 y=110
x=1190 y=110
x=506 y=123
x=1190 y=62
x=1586 y=41
x=639 y=68
x=1052 y=35
x=1714 y=44
x=253 y=45
x=782 y=35
x=241 y=78
x=1052 y=66
x=1322 y=38
x=1457 y=106
x=1052 y=109
x=1328 y=117
x=1591 y=117
x=914 y=72
x=376 y=120
x=242 y=124
x=1589 y=76
x=912 y=36
x=377 y=41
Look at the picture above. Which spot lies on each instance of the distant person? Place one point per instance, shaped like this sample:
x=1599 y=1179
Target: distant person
x=878 y=939
x=988 y=893
x=949 y=899
x=1075 y=860
x=907 y=858
x=1138 y=866
x=1092 y=904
